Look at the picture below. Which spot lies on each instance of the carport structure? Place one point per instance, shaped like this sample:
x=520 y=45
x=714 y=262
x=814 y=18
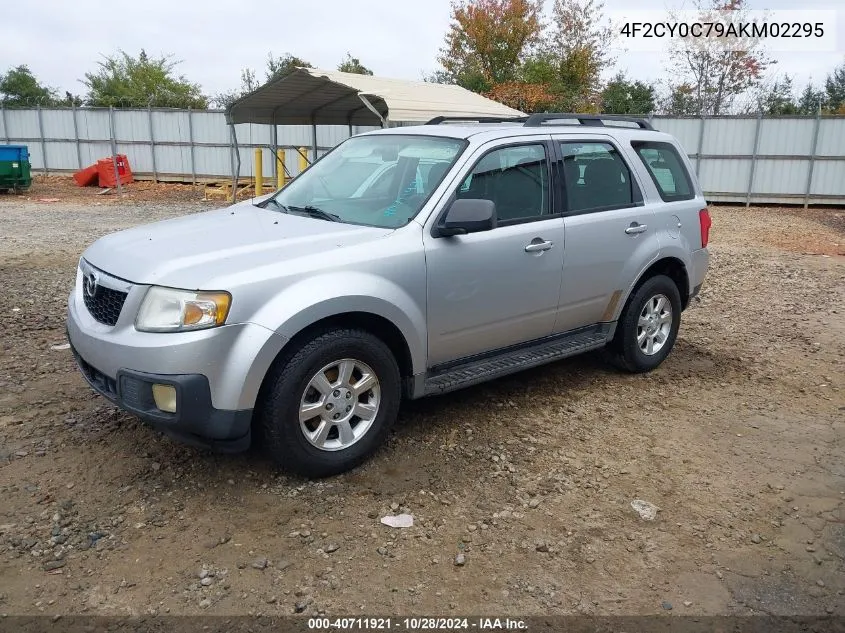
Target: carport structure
x=308 y=96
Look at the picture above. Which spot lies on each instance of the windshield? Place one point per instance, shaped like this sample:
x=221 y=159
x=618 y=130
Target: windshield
x=380 y=180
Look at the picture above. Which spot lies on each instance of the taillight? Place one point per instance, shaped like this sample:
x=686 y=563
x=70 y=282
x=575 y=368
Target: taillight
x=705 y=222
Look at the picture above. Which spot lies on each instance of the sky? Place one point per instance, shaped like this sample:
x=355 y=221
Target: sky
x=61 y=40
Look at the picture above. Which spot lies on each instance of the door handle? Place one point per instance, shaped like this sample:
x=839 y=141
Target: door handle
x=536 y=247
x=636 y=228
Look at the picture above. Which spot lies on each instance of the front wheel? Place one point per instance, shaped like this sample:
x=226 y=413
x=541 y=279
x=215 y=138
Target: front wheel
x=331 y=405
x=648 y=326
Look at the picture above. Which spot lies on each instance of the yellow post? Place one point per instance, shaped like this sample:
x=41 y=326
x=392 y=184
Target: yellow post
x=303 y=161
x=259 y=172
x=280 y=168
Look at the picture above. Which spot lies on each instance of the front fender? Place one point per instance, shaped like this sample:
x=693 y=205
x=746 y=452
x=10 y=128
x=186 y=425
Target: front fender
x=325 y=295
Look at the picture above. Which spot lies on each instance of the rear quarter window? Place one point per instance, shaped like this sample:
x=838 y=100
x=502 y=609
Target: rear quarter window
x=667 y=170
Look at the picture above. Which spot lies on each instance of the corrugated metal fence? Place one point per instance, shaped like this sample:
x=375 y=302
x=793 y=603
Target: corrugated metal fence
x=795 y=160
x=165 y=144
x=789 y=160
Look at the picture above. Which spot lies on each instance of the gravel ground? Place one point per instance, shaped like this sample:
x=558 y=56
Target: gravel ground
x=521 y=489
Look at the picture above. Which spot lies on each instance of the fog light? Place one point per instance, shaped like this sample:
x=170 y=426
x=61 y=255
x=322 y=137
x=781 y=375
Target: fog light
x=165 y=397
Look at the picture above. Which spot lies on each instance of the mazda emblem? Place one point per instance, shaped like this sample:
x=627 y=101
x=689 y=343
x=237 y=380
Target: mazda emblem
x=90 y=284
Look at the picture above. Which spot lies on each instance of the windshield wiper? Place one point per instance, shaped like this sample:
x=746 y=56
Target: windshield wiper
x=314 y=212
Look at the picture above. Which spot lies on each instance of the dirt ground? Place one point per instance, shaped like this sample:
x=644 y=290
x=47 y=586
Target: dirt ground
x=737 y=438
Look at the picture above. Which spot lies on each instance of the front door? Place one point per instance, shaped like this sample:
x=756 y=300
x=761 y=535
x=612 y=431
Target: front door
x=501 y=287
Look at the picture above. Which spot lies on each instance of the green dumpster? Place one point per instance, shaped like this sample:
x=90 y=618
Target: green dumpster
x=14 y=167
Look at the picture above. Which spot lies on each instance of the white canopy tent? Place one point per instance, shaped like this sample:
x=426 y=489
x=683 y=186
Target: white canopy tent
x=326 y=97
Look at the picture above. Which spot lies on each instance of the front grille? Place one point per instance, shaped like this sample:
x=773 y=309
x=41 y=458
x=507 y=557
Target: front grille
x=105 y=304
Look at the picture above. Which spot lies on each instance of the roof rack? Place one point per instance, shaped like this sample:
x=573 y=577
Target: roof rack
x=537 y=120
x=477 y=119
x=595 y=120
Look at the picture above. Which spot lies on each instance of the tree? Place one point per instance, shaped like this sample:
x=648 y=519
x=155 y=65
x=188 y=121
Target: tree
x=498 y=48
x=542 y=70
x=681 y=100
x=811 y=100
x=70 y=100
x=276 y=67
x=580 y=44
x=834 y=87
x=523 y=96
x=20 y=89
x=353 y=65
x=488 y=40
x=248 y=84
x=541 y=67
x=779 y=98
x=718 y=72
x=438 y=77
x=126 y=81
x=623 y=96
x=281 y=66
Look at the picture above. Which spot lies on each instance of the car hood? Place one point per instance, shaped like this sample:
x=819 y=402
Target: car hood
x=189 y=251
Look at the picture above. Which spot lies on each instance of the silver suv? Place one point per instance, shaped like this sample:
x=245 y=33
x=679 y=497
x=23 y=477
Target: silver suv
x=406 y=262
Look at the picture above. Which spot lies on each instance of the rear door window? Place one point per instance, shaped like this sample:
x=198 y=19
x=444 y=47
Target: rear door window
x=666 y=169
x=596 y=177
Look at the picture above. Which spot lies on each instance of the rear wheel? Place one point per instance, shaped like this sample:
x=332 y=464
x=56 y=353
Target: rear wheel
x=331 y=405
x=648 y=326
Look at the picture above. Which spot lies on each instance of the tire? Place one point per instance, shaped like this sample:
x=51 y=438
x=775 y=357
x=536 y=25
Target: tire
x=630 y=346
x=290 y=388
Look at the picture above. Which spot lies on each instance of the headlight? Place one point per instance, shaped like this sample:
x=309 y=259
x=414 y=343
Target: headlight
x=170 y=310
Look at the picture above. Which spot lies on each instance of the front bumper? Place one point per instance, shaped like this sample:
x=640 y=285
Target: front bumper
x=217 y=372
x=195 y=422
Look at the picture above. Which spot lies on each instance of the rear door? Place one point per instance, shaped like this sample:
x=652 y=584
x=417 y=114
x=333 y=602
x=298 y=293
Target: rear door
x=611 y=235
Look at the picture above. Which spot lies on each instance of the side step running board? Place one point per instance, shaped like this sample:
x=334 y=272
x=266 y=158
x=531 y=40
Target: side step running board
x=512 y=360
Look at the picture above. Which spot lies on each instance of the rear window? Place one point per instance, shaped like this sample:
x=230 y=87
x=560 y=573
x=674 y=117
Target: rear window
x=666 y=169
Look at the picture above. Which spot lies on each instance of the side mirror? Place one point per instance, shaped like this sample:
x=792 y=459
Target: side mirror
x=468 y=215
